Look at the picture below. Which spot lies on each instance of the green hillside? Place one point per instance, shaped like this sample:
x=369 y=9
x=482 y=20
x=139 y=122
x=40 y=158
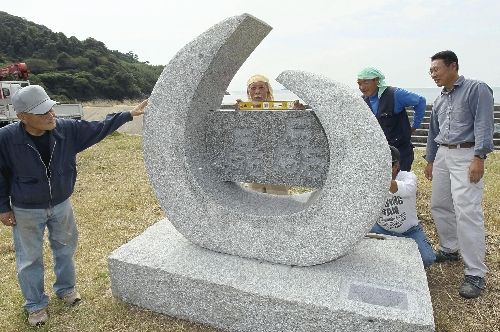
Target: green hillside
x=74 y=70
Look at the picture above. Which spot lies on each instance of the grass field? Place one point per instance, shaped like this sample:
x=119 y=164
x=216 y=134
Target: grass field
x=113 y=202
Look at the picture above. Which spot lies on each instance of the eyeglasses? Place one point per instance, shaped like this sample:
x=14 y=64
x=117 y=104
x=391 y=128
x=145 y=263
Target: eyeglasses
x=436 y=69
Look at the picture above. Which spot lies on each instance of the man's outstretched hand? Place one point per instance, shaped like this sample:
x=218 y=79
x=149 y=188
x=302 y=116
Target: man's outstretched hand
x=139 y=109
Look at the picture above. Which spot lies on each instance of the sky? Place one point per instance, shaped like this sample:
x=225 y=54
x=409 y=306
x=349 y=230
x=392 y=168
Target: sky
x=328 y=37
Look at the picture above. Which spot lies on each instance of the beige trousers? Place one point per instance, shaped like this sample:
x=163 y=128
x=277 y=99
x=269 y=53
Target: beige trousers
x=456 y=208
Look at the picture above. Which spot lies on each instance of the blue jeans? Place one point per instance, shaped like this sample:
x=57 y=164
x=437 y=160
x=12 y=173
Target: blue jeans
x=416 y=233
x=28 y=240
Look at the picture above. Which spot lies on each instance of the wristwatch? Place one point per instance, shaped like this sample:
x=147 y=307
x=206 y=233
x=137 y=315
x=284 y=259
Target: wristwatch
x=480 y=156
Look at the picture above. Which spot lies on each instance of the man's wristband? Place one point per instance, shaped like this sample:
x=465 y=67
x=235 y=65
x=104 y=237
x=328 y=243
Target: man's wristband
x=480 y=156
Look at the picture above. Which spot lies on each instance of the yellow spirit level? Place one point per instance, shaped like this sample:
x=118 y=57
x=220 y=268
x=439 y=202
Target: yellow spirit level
x=266 y=105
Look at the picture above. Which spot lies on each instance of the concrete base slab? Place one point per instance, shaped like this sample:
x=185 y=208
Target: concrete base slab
x=379 y=286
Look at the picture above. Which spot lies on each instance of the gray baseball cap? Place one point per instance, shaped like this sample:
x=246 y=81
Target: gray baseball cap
x=32 y=99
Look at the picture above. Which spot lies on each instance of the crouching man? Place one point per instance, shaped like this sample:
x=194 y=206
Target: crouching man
x=399 y=215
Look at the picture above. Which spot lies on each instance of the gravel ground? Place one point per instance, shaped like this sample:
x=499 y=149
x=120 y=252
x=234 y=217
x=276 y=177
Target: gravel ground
x=91 y=113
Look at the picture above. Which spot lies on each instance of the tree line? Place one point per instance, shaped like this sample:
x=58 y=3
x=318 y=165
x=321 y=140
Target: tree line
x=74 y=70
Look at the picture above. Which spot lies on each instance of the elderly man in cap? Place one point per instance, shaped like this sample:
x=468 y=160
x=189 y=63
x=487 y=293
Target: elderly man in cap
x=388 y=104
x=37 y=178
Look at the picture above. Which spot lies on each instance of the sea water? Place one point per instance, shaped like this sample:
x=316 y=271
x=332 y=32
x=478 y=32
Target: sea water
x=429 y=94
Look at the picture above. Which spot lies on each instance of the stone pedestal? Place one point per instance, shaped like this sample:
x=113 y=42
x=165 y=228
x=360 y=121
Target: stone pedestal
x=380 y=285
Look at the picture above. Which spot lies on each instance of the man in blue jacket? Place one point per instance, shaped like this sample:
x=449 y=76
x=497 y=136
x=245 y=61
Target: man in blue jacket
x=388 y=104
x=37 y=178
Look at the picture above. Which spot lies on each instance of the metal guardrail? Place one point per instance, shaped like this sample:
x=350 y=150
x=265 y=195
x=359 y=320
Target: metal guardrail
x=419 y=138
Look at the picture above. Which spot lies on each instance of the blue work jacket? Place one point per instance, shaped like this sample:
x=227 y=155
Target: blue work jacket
x=26 y=182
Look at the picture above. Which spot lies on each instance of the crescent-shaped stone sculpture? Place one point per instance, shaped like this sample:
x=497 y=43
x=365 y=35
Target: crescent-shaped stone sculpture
x=220 y=215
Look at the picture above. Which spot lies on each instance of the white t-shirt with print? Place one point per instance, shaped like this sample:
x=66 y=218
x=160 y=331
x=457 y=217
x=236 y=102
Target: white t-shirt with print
x=399 y=213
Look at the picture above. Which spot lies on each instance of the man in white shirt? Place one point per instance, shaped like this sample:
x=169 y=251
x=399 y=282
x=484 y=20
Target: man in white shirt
x=399 y=215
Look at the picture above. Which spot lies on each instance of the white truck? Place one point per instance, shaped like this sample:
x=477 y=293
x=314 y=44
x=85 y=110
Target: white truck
x=8 y=88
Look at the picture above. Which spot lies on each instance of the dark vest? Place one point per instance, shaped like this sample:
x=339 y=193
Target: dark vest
x=396 y=127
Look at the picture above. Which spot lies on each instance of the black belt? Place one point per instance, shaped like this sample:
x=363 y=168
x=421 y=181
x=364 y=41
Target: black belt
x=458 y=146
